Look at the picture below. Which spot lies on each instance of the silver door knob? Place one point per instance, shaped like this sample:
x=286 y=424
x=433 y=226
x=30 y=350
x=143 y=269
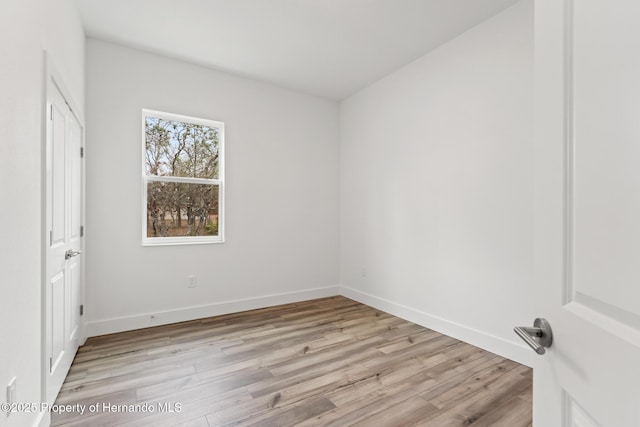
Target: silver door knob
x=539 y=337
x=71 y=254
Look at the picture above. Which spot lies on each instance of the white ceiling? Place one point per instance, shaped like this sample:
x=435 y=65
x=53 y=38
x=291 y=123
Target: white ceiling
x=329 y=48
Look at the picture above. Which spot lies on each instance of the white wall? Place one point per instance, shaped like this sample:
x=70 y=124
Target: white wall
x=26 y=27
x=64 y=41
x=20 y=125
x=281 y=194
x=436 y=186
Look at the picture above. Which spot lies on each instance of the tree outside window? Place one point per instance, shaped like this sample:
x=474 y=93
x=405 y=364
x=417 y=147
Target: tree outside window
x=183 y=179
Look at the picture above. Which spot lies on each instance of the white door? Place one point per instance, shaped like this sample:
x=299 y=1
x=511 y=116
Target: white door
x=587 y=212
x=64 y=232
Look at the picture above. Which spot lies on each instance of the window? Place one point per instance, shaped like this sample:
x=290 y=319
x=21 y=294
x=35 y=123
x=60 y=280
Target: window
x=183 y=179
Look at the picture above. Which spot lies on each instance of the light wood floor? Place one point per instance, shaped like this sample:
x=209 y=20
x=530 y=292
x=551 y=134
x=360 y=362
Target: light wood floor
x=330 y=361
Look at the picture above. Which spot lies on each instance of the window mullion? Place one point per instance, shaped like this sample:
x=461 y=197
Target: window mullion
x=181 y=179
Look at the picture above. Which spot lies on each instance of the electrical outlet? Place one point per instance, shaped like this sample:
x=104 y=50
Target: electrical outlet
x=193 y=281
x=11 y=393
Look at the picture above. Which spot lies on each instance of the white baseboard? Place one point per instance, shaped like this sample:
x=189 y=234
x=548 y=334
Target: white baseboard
x=497 y=345
x=492 y=343
x=128 y=323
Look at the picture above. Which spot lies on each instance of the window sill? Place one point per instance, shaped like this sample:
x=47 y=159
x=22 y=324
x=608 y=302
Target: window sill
x=179 y=241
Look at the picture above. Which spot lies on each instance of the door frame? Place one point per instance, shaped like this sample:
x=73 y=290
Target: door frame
x=52 y=80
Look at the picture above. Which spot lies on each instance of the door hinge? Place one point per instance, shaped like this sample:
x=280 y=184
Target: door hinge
x=81 y=309
x=51 y=112
x=50 y=364
x=50 y=237
x=82 y=231
x=81 y=151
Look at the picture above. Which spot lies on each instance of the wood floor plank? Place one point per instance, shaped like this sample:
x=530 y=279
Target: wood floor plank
x=362 y=405
x=197 y=422
x=466 y=386
x=122 y=383
x=325 y=362
x=515 y=412
x=402 y=414
x=479 y=405
x=292 y=415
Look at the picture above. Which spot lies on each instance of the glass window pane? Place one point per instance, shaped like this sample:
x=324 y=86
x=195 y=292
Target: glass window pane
x=181 y=209
x=174 y=148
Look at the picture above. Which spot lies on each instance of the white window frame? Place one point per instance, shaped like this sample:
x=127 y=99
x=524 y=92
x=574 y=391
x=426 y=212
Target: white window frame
x=183 y=240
